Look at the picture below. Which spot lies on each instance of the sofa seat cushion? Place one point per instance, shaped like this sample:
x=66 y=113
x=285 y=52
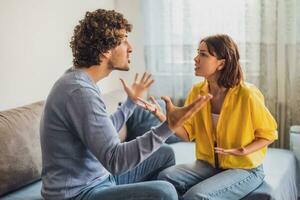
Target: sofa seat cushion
x=20 y=152
x=29 y=192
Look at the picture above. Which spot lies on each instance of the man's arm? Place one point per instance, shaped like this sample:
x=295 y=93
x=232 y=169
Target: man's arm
x=122 y=114
x=96 y=130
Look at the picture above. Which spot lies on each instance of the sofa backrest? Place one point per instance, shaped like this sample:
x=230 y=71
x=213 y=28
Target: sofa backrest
x=20 y=151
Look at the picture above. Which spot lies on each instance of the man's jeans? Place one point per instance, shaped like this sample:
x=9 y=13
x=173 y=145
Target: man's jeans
x=201 y=181
x=132 y=186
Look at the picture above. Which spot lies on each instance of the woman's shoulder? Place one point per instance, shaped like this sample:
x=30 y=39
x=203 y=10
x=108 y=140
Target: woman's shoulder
x=200 y=86
x=249 y=90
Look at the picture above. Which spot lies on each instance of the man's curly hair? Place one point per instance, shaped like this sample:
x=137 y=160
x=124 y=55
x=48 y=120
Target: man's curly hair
x=97 y=33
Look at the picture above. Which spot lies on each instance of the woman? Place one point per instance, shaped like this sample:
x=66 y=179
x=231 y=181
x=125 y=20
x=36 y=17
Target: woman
x=231 y=132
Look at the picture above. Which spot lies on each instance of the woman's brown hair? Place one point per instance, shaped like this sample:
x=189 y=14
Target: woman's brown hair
x=223 y=47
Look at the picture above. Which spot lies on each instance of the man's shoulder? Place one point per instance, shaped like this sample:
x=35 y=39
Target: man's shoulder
x=75 y=80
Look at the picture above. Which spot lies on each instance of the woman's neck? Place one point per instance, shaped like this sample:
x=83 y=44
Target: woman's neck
x=215 y=89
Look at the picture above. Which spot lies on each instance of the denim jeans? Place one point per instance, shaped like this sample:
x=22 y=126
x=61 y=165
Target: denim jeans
x=201 y=181
x=135 y=184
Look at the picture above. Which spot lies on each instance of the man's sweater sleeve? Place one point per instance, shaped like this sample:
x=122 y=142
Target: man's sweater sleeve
x=87 y=115
x=122 y=114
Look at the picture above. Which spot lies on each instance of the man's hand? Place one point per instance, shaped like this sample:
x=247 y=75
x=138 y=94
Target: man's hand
x=138 y=87
x=235 y=152
x=153 y=107
x=176 y=116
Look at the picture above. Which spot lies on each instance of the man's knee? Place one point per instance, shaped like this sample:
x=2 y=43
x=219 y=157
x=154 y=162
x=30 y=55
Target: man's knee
x=166 y=152
x=166 y=190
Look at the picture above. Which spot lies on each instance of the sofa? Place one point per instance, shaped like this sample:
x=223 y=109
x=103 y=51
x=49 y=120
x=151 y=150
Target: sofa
x=20 y=156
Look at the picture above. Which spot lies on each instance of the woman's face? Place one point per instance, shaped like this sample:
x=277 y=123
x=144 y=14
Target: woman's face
x=206 y=65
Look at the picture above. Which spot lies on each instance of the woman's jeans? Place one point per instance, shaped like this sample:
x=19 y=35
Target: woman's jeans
x=132 y=185
x=200 y=181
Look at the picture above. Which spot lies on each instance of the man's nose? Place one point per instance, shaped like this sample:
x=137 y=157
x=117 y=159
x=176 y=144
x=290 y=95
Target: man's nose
x=129 y=48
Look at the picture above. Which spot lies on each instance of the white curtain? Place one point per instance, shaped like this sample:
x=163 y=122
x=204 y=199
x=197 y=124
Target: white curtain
x=173 y=29
x=273 y=55
x=267 y=33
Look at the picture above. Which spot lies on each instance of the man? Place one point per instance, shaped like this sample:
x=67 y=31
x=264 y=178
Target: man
x=82 y=154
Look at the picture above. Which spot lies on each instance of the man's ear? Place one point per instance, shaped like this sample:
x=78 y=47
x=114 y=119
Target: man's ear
x=105 y=55
x=221 y=64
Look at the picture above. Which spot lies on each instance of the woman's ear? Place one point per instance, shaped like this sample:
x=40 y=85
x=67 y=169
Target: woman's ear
x=221 y=64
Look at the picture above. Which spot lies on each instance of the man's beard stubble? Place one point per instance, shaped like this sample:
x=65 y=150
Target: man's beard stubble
x=118 y=68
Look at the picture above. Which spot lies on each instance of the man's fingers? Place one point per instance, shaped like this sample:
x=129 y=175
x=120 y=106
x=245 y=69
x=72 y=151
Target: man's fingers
x=143 y=77
x=123 y=83
x=147 y=105
x=136 y=77
x=149 y=83
x=142 y=100
x=147 y=78
x=154 y=101
x=141 y=104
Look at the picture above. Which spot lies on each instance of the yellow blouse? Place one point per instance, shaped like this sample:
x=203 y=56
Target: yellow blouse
x=243 y=118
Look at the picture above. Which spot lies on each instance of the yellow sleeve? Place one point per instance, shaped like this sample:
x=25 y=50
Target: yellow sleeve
x=262 y=120
x=188 y=124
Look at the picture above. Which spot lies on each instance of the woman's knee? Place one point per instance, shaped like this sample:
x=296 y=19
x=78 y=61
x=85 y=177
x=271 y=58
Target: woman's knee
x=195 y=196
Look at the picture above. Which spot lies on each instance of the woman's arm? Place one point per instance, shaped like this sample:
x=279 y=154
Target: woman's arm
x=257 y=144
x=157 y=111
x=181 y=133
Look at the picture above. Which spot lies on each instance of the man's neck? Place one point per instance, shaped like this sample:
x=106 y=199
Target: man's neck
x=98 y=72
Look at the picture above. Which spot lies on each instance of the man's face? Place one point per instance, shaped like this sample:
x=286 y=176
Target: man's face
x=119 y=59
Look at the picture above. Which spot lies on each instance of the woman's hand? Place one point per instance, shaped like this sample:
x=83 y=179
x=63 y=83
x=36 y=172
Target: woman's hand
x=138 y=87
x=176 y=116
x=236 y=152
x=255 y=145
x=153 y=107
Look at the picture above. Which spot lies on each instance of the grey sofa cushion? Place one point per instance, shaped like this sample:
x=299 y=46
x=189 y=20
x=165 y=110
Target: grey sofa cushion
x=20 y=152
x=29 y=192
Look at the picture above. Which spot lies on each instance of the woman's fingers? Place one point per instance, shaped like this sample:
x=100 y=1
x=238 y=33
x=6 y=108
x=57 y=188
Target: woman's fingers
x=169 y=104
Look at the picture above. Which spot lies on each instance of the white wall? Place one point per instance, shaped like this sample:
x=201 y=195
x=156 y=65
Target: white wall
x=34 y=46
x=132 y=11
